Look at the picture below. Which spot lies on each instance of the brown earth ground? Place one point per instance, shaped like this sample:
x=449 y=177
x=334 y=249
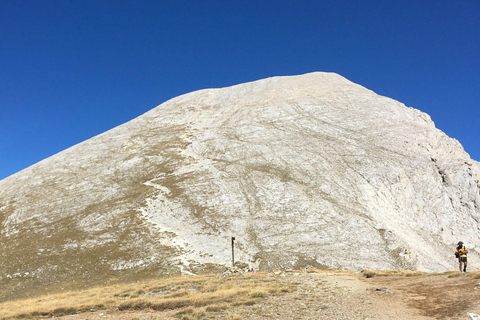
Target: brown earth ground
x=332 y=295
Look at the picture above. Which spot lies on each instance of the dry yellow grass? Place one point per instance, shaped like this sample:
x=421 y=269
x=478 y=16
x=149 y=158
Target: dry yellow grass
x=190 y=295
x=387 y=273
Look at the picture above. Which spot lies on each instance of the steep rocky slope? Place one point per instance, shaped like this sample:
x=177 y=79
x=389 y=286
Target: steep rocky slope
x=304 y=170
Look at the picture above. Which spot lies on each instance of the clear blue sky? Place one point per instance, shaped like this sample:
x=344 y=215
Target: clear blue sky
x=70 y=70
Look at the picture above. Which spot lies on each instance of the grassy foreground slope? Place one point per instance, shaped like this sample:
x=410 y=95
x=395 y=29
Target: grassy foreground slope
x=198 y=292
x=306 y=294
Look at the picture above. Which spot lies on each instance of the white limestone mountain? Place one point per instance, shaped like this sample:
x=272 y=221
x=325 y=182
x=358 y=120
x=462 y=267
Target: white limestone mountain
x=302 y=170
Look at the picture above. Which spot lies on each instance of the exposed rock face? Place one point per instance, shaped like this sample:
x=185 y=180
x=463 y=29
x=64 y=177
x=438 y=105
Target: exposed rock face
x=304 y=170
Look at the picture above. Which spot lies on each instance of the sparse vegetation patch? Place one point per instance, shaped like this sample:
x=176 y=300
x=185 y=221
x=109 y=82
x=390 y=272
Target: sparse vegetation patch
x=389 y=273
x=192 y=296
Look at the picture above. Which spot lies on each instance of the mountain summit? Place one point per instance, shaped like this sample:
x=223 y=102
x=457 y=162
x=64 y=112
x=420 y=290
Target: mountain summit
x=310 y=170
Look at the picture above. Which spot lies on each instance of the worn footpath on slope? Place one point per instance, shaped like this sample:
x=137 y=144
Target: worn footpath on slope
x=340 y=295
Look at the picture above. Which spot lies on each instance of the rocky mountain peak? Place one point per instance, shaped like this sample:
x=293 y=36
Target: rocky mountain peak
x=310 y=170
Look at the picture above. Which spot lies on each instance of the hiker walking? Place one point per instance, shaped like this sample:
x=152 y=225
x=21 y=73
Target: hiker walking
x=461 y=253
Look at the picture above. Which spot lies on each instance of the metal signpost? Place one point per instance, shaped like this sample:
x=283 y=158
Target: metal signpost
x=233 y=252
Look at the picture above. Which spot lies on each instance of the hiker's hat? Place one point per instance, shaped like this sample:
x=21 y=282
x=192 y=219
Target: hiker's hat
x=460 y=243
